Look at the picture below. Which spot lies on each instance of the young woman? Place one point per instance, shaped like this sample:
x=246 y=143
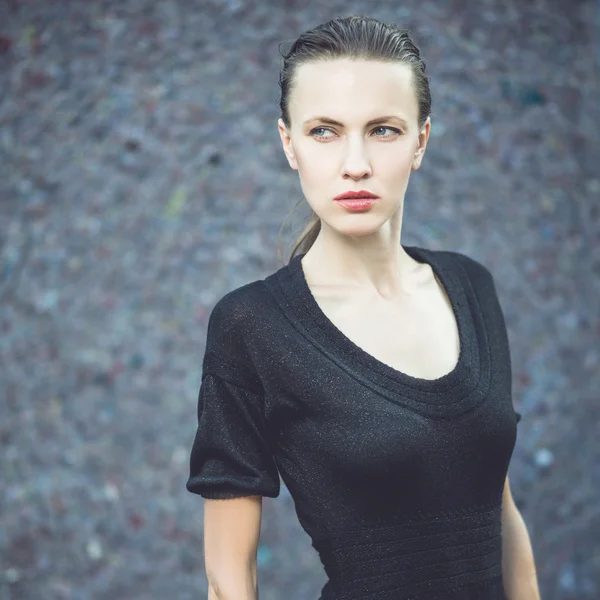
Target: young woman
x=374 y=377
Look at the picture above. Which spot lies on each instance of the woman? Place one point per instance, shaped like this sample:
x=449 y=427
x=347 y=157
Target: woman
x=373 y=377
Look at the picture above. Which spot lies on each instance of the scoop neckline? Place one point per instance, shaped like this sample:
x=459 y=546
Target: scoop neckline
x=328 y=333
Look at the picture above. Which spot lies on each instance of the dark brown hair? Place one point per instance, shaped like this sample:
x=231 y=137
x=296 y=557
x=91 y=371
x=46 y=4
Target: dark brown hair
x=354 y=37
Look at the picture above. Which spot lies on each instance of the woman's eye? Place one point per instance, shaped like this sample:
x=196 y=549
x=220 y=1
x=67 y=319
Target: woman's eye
x=388 y=128
x=317 y=129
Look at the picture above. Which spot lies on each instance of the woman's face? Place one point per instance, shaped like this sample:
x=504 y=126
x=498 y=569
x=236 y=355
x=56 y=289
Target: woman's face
x=354 y=155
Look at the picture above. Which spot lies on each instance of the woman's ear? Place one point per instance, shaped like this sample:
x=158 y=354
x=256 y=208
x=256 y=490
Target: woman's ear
x=420 y=150
x=286 y=142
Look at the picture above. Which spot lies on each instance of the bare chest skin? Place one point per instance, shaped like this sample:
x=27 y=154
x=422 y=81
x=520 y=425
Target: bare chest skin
x=417 y=336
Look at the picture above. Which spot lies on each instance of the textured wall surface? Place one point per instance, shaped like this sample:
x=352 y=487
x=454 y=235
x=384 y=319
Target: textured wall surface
x=142 y=177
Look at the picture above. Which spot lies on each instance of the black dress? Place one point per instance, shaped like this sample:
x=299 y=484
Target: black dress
x=397 y=480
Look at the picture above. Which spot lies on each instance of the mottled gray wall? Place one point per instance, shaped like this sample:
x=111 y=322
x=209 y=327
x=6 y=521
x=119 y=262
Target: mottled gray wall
x=141 y=178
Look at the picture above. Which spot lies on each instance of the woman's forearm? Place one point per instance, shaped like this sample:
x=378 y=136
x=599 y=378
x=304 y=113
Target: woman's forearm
x=243 y=592
x=518 y=564
x=235 y=588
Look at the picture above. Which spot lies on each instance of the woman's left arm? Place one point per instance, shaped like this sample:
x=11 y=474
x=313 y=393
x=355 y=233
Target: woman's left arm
x=518 y=565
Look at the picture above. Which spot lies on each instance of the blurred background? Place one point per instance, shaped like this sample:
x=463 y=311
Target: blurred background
x=142 y=178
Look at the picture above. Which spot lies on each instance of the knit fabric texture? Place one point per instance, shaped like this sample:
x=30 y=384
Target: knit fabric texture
x=397 y=480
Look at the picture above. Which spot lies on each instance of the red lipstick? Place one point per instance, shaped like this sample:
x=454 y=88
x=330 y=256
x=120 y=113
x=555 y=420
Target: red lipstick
x=351 y=195
x=356 y=201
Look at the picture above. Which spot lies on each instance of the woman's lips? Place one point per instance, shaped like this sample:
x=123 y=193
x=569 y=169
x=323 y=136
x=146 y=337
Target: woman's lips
x=352 y=195
x=357 y=204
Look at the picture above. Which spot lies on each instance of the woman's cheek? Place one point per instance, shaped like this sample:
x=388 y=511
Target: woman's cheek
x=316 y=169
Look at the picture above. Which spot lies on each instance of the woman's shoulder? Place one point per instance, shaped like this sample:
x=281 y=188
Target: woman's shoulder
x=238 y=307
x=474 y=268
x=232 y=325
x=247 y=297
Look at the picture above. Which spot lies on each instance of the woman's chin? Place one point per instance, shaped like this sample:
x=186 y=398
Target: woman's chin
x=366 y=225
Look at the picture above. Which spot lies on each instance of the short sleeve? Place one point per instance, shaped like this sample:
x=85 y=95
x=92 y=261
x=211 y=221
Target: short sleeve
x=231 y=456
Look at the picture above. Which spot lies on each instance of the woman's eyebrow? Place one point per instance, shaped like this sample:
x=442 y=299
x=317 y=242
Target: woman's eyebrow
x=371 y=122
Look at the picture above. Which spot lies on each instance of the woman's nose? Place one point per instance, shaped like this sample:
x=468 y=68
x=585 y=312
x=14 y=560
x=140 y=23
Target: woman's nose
x=356 y=163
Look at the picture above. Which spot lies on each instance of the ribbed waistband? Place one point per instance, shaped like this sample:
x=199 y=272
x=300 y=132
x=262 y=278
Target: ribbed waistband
x=449 y=555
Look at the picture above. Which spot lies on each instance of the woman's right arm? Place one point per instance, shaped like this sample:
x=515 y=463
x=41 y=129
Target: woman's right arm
x=231 y=536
